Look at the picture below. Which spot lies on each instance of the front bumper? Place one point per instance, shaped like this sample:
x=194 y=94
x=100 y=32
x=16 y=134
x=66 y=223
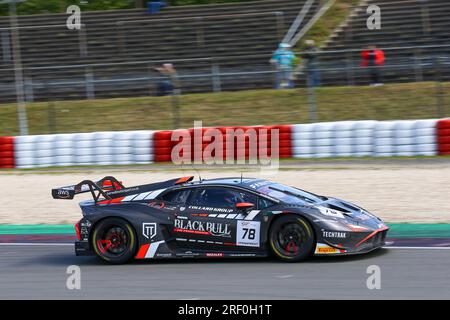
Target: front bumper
x=359 y=242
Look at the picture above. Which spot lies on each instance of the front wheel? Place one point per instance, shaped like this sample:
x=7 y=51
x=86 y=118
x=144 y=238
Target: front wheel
x=114 y=241
x=291 y=238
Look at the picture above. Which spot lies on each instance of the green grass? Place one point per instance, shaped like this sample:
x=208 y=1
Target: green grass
x=254 y=107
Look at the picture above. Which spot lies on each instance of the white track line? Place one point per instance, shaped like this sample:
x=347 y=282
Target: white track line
x=418 y=248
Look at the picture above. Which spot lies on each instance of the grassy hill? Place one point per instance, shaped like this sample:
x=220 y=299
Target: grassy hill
x=393 y=101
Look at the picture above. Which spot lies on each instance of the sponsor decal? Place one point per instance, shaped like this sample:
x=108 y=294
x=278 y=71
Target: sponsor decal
x=149 y=229
x=247 y=234
x=322 y=248
x=327 y=250
x=214 y=254
x=63 y=194
x=334 y=234
x=187 y=254
x=122 y=190
x=212 y=209
x=164 y=255
x=242 y=255
x=156 y=204
x=201 y=227
x=86 y=224
x=330 y=212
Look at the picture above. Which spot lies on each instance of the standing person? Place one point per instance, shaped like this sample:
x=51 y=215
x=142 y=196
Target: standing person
x=373 y=59
x=170 y=83
x=312 y=63
x=283 y=59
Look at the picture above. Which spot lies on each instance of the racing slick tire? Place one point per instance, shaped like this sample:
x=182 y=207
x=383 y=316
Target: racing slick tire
x=114 y=241
x=291 y=238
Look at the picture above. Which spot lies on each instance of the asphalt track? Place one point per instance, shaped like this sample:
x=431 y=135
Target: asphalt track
x=38 y=271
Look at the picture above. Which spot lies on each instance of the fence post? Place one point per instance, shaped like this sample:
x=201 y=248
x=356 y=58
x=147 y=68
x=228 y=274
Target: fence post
x=215 y=73
x=200 y=32
x=349 y=69
x=349 y=58
x=51 y=119
x=311 y=95
x=82 y=41
x=150 y=69
x=29 y=94
x=425 y=15
x=418 y=66
x=120 y=38
x=439 y=89
x=176 y=108
x=90 y=88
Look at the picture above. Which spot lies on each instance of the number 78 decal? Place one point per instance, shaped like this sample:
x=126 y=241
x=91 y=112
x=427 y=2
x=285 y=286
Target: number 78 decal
x=247 y=234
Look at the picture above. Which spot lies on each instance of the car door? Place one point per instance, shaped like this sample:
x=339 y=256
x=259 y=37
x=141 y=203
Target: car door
x=212 y=220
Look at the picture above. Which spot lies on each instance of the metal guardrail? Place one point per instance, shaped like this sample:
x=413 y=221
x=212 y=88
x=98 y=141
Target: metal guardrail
x=414 y=67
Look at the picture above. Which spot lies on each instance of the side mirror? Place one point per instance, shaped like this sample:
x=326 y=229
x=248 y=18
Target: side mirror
x=245 y=206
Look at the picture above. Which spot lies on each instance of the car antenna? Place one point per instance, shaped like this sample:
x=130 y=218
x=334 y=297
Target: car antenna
x=199 y=176
x=241 y=176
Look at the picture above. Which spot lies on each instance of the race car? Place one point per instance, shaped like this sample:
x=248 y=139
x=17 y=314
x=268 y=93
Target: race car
x=217 y=218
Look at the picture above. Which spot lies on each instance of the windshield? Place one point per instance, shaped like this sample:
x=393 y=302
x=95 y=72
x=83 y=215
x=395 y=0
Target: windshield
x=290 y=195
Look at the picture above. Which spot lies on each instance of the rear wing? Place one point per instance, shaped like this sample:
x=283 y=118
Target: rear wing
x=110 y=188
x=98 y=189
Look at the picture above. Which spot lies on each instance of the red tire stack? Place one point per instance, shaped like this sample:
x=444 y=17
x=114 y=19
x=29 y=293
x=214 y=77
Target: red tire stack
x=443 y=136
x=7 y=152
x=163 y=144
x=285 y=140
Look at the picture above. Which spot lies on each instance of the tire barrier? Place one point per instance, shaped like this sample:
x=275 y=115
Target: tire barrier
x=317 y=140
x=364 y=139
x=405 y=138
x=235 y=142
x=96 y=148
x=443 y=136
x=7 y=152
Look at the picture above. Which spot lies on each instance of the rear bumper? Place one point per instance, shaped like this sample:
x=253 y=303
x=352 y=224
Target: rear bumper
x=82 y=248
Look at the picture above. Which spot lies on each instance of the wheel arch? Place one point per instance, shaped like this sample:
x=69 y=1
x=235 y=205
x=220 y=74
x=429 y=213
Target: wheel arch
x=97 y=222
x=287 y=213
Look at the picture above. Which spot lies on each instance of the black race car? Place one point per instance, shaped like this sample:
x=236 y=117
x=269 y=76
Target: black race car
x=217 y=218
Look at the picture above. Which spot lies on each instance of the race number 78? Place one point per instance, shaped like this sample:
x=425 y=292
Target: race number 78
x=249 y=233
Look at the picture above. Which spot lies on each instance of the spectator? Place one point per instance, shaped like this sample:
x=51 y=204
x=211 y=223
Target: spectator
x=312 y=64
x=283 y=59
x=170 y=83
x=373 y=59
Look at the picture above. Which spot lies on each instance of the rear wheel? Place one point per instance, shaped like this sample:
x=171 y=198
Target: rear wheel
x=114 y=241
x=291 y=238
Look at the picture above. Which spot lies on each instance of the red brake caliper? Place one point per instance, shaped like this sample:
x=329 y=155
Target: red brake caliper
x=291 y=244
x=103 y=245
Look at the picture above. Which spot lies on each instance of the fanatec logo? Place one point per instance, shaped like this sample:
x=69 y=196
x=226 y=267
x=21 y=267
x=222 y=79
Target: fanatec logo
x=149 y=229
